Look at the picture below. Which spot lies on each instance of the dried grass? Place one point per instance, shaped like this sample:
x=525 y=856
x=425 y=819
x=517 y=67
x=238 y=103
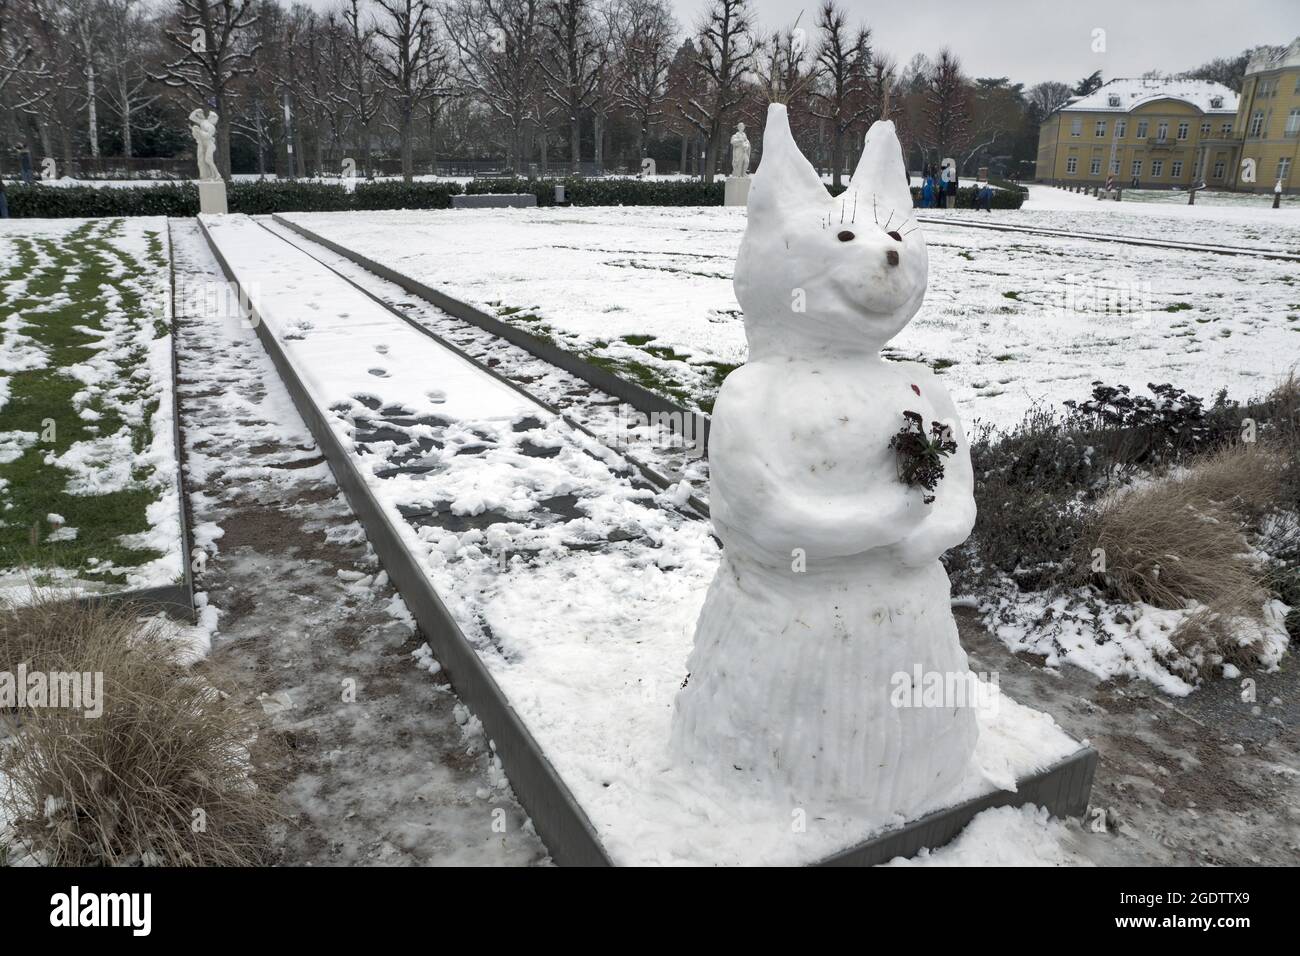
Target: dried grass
x=164 y=776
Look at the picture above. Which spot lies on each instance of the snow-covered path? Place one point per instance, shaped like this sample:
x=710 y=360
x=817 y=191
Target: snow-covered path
x=303 y=615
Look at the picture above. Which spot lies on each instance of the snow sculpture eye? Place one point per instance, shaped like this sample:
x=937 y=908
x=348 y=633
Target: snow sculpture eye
x=895 y=236
x=845 y=236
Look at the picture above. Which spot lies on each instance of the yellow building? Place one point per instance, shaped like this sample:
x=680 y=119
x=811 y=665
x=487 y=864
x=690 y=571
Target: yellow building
x=1268 y=121
x=1149 y=133
x=1163 y=132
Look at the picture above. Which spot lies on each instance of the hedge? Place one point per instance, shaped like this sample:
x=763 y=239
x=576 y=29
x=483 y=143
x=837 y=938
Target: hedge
x=182 y=199
x=606 y=192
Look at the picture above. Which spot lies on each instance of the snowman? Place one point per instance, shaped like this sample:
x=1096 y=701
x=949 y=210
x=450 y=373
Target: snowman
x=830 y=588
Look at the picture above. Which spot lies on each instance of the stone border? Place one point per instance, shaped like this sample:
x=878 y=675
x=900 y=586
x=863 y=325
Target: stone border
x=565 y=829
x=641 y=399
x=1062 y=788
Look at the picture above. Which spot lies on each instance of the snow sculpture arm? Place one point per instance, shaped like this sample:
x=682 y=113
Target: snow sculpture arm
x=952 y=514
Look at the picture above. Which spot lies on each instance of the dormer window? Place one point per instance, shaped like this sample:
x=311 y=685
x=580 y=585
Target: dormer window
x=1216 y=102
x=1113 y=99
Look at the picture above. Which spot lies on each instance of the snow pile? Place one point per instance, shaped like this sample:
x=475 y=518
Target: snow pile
x=1005 y=836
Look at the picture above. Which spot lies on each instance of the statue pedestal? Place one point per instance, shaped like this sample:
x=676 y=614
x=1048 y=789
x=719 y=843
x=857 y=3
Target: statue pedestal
x=737 y=191
x=212 y=197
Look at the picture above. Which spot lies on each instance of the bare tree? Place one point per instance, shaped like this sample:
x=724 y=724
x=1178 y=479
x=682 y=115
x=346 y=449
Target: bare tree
x=497 y=45
x=841 y=99
x=572 y=62
x=130 y=33
x=360 y=89
x=724 y=51
x=644 y=35
x=51 y=89
x=947 y=106
x=1049 y=96
x=210 y=35
x=411 y=65
x=16 y=59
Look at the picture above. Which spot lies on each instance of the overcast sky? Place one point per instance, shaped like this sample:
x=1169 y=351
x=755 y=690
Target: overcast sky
x=1035 y=40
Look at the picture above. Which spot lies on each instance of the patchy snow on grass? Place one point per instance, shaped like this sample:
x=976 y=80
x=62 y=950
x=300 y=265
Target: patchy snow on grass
x=87 y=368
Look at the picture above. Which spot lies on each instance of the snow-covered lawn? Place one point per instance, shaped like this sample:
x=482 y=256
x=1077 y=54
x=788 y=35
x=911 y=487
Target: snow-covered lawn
x=1009 y=319
x=88 y=487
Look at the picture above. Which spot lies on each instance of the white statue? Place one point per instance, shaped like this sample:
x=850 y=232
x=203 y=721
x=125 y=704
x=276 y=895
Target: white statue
x=204 y=130
x=740 y=153
x=830 y=585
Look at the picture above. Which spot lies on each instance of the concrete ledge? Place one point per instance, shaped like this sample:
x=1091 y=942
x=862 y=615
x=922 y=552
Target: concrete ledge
x=1063 y=789
x=639 y=398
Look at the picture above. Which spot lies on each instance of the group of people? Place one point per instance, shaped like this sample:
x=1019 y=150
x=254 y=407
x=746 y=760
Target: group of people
x=25 y=170
x=938 y=192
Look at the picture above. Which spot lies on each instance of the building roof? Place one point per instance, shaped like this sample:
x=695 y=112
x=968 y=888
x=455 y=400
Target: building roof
x=1274 y=58
x=1125 y=95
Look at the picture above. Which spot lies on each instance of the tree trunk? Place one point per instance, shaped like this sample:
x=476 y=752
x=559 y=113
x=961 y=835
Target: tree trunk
x=126 y=122
x=223 y=135
x=575 y=143
x=92 y=115
x=712 y=150
x=837 y=155
x=681 y=166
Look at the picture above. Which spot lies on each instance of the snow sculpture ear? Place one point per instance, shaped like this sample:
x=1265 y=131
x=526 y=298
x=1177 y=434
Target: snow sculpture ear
x=785 y=183
x=880 y=173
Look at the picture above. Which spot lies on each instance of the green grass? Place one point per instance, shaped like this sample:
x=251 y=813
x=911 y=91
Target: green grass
x=76 y=265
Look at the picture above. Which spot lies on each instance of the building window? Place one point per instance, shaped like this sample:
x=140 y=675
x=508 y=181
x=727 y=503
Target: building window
x=1100 y=128
x=1121 y=127
x=1076 y=127
x=1072 y=165
x=1216 y=102
x=1205 y=129
x=1113 y=99
x=1136 y=169
x=1218 y=170
x=1114 y=167
x=1182 y=131
x=1293 y=123
x=1284 y=168
x=1157 y=168
x=1162 y=132
x=1227 y=129
x=1142 y=129
x=1095 y=167
x=1257 y=123
x=1176 y=169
